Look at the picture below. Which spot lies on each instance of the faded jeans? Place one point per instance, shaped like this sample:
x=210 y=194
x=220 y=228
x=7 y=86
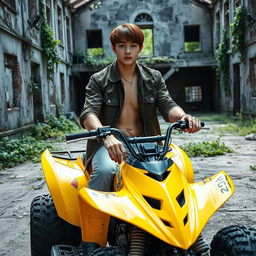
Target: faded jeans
x=104 y=170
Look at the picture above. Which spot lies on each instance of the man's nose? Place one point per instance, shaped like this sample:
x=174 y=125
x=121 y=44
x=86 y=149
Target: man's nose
x=127 y=49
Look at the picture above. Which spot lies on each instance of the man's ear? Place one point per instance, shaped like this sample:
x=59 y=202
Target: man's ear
x=113 y=48
x=141 y=48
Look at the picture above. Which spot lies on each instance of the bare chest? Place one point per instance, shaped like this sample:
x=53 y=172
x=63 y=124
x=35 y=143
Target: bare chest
x=131 y=96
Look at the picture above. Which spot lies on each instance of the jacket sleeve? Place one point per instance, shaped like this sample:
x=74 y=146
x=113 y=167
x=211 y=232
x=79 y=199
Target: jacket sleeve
x=164 y=101
x=93 y=100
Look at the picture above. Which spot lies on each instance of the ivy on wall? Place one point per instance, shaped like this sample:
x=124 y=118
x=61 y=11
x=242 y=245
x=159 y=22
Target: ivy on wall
x=238 y=28
x=48 y=42
x=222 y=58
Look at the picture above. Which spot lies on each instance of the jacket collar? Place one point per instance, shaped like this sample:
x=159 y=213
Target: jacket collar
x=114 y=73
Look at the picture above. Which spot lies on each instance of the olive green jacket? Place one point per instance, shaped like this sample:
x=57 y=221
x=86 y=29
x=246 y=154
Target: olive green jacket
x=105 y=98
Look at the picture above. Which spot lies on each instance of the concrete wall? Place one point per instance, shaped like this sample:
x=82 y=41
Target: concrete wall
x=169 y=18
x=20 y=39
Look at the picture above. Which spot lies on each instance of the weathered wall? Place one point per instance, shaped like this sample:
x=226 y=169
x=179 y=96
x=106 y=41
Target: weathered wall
x=246 y=100
x=23 y=41
x=169 y=18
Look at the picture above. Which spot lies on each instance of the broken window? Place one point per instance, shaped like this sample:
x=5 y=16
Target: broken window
x=32 y=9
x=12 y=81
x=193 y=93
x=60 y=25
x=252 y=76
x=94 y=42
x=48 y=12
x=226 y=15
x=192 y=38
x=145 y=22
x=68 y=33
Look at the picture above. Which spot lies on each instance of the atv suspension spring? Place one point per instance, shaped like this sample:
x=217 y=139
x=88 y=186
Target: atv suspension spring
x=138 y=242
x=200 y=247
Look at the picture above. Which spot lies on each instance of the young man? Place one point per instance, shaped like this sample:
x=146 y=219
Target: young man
x=125 y=95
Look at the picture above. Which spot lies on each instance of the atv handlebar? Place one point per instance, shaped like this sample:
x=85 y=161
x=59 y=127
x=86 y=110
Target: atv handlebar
x=104 y=131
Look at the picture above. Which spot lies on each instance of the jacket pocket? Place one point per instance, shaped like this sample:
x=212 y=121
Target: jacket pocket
x=110 y=101
x=150 y=98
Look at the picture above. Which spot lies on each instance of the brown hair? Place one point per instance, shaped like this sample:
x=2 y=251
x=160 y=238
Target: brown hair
x=127 y=32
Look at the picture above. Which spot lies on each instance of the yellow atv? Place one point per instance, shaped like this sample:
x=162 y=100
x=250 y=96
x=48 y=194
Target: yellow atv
x=155 y=208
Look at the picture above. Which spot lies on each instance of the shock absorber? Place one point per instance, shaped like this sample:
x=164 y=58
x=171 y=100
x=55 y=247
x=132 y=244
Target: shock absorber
x=138 y=242
x=200 y=247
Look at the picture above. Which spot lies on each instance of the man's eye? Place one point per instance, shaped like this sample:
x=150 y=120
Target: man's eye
x=134 y=45
x=121 y=45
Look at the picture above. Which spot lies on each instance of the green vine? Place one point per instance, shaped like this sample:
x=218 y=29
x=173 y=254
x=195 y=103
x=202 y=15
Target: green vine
x=238 y=28
x=49 y=42
x=222 y=58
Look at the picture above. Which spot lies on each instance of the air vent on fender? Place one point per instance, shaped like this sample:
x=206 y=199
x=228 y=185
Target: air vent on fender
x=185 y=220
x=154 y=203
x=181 y=199
x=166 y=223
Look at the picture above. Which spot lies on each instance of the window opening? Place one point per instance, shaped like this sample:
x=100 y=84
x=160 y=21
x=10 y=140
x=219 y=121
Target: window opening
x=32 y=9
x=68 y=33
x=48 y=12
x=60 y=29
x=12 y=81
x=145 y=22
x=226 y=15
x=193 y=94
x=252 y=76
x=192 y=38
x=62 y=87
x=217 y=29
x=94 y=42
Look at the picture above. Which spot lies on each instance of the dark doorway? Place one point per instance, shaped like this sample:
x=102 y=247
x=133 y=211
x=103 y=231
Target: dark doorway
x=236 y=89
x=37 y=92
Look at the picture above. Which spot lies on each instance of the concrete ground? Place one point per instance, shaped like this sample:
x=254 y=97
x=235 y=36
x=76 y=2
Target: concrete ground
x=20 y=184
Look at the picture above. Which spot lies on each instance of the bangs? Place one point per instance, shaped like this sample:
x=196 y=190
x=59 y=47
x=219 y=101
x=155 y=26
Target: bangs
x=127 y=33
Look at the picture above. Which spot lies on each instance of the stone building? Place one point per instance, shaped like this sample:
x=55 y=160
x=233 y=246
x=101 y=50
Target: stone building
x=177 y=29
x=181 y=40
x=242 y=96
x=26 y=95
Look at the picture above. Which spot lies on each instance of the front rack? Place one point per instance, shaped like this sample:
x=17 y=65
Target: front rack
x=66 y=154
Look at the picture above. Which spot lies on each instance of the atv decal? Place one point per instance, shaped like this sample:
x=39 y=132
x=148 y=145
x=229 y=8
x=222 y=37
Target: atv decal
x=222 y=184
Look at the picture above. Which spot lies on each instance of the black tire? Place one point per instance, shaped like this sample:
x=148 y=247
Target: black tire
x=66 y=250
x=108 y=251
x=234 y=241
x=48 y=229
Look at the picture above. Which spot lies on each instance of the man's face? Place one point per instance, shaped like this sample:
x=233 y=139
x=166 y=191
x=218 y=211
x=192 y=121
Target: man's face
x=127 y=52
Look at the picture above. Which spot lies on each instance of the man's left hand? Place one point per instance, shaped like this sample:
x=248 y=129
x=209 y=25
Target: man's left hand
x=193 y=122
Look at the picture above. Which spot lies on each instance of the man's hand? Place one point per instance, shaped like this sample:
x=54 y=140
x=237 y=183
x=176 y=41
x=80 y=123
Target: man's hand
x=115 y=149
x=193 y=122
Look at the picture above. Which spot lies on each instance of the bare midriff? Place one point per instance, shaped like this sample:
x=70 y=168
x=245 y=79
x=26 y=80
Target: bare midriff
x=130 y=119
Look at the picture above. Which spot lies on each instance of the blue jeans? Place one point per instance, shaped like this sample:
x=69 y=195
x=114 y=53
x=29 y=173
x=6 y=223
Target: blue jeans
x=104 y=170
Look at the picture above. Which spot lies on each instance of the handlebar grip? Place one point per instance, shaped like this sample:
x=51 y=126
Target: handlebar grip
x=184 y=124
x=80 y=135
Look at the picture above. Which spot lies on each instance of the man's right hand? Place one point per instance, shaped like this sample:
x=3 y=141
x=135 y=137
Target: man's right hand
x=115 y=148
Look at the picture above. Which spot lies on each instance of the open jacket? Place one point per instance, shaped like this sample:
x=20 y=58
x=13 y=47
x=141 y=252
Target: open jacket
x=105 y=98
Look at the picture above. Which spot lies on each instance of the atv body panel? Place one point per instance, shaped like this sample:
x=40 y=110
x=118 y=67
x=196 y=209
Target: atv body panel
x=174 y=210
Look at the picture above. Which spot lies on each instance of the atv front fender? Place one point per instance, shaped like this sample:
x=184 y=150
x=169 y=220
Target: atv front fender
x=202 y=199
x=64 y=178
